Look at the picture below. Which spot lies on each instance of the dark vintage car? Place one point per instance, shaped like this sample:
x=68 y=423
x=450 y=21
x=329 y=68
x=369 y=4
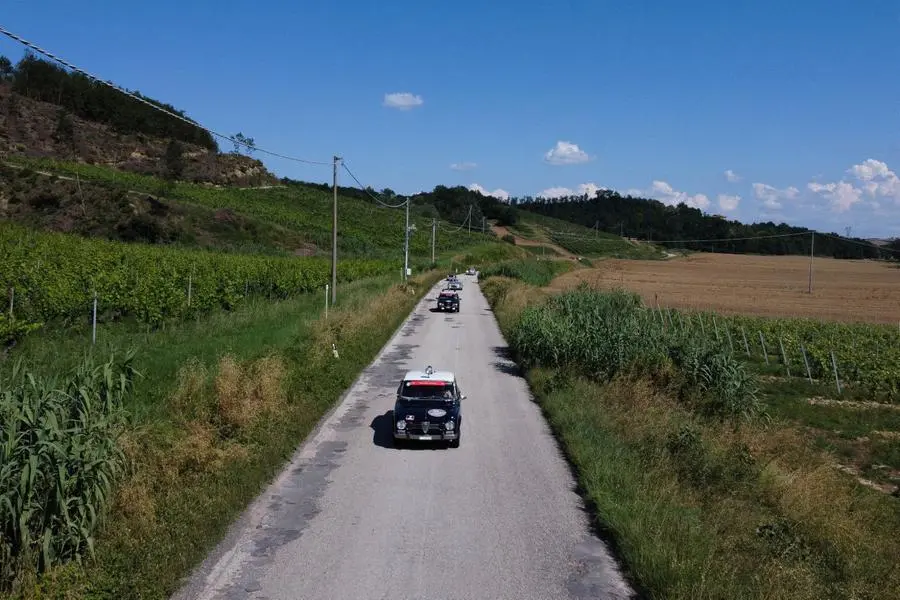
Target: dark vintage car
x=448 y=300
x=428 y=408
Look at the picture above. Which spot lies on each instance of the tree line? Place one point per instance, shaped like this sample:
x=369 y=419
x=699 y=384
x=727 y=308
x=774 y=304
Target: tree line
x=680 y=225
x=451 y=204
x=44 y=81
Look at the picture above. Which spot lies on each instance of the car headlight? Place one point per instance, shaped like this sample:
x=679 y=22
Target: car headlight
x=449 y=425
x=401 y=425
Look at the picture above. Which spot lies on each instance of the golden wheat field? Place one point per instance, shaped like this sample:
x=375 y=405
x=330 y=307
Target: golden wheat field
x=843 y=290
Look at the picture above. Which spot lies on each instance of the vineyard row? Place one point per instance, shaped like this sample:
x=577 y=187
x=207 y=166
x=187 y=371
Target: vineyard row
x=863 y=355
x=55 y=277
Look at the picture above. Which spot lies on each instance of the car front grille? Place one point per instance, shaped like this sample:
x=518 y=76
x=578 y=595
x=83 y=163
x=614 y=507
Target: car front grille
x=433 y=428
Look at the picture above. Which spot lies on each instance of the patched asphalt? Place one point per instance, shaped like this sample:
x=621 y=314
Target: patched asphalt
x=353 y=518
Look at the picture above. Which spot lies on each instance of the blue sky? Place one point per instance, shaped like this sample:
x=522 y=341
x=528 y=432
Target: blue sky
x=801 y=100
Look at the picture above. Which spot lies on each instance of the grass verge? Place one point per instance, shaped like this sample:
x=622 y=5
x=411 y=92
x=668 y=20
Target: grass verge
x=221 y=406
x=697 y=506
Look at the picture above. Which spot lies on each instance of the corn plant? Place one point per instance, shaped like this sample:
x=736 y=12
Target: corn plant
x=602 y=335
x=59 y=461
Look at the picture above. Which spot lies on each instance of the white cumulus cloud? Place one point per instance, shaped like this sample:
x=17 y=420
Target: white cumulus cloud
x=463 y=166
x=403 y=100
x=585 y=189
x=732 y=176
x=873 y=178
x=666 y=194
x=842 y=195
x=498 y=193
x=728 y=203
x=877 y=179
x=772 y=197
x=566 y=153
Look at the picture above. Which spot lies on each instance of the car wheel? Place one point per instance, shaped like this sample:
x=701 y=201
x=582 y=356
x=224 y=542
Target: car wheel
x=455 y=443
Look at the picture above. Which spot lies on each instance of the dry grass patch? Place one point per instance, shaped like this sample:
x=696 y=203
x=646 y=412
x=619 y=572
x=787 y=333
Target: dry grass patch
x=245 y=392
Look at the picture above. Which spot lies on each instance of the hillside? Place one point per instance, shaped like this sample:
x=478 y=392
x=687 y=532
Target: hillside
x=647 y=219
x=47 y=113
x=576 y=239
x=296 y=219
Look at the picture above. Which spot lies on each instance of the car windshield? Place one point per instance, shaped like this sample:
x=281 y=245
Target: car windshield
x=427 y=390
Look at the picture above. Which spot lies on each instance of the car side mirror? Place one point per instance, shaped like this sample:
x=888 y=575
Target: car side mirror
x=463 y=397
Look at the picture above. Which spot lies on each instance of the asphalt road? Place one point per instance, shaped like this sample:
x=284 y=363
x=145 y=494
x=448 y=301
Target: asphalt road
x=353 y=518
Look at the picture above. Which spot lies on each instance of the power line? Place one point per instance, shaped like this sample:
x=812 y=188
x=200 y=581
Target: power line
x=372 y=196
x=365 y=189
x=468 y=216
x=191 y=122
x=733 y=239
x=858 y=243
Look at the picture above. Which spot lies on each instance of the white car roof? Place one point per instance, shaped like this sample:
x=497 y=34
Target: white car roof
x=430 y=375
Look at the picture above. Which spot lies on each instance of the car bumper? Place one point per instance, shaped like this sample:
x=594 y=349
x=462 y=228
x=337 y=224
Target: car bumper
x=402 y=435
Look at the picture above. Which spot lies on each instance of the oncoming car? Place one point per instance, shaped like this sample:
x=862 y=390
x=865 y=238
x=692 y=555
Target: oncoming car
x=428 y=407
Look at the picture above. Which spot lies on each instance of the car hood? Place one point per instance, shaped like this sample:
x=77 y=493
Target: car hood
x=420 y=409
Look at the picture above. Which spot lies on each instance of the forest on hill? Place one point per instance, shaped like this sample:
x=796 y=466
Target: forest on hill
x=685 y=227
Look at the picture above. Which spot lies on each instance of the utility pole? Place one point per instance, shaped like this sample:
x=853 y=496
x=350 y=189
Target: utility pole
x=334 y=236
x=812 y=245
x=433 y=227
x=406 y=243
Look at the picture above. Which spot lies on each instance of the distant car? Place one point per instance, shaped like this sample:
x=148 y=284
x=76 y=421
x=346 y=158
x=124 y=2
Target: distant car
x=470 y=271
x=448 y=300
x=455 y=285
x=428 y=407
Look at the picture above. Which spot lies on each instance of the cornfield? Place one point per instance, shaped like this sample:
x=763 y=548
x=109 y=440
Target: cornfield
x=539 y=273
x=59 y=461
x=603 y=335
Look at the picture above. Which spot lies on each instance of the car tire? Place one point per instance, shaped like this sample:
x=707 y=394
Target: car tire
x=455 y=443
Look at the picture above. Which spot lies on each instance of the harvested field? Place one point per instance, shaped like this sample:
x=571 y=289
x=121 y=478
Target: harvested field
x=843 y=290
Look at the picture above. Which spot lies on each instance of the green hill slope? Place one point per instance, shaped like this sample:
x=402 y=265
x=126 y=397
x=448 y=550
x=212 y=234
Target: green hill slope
x=579 y=240
x=291 y=219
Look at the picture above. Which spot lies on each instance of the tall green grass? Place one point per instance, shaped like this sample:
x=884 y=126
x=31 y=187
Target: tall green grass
x=531 y=271
x=59 y=461
x=602 y=335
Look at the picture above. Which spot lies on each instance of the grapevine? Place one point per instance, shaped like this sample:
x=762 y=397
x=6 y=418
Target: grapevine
x=55 y=277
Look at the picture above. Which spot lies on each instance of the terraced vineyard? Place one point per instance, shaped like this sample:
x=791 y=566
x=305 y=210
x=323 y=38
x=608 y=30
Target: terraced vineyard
x=364 y=229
